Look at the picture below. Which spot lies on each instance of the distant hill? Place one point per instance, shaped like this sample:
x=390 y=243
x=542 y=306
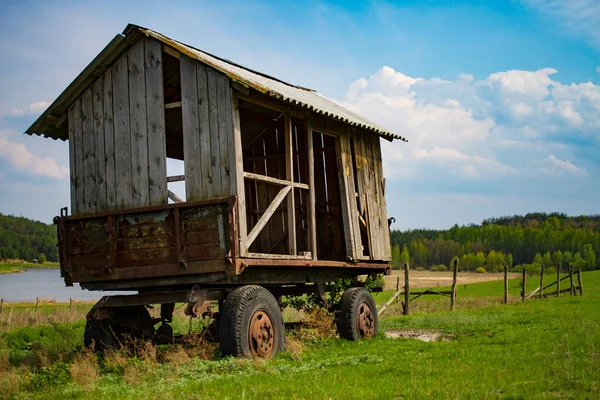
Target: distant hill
x=23 y=238
x=535 y=238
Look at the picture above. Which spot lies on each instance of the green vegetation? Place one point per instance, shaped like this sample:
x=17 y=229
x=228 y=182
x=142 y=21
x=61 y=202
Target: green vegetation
x=530 y=240
x=25 y=239
x=14 y=266
x=538 y=349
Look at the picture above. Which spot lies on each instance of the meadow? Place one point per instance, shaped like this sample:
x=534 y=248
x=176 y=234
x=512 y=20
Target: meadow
x=16 y=266
x=544 y=348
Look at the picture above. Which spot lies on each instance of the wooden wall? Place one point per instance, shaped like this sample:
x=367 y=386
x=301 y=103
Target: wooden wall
x=371 y=192
x=117 y=135
x=208 y=140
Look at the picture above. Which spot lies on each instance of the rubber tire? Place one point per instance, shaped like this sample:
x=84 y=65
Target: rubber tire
x=234 y=323
x=347 y=309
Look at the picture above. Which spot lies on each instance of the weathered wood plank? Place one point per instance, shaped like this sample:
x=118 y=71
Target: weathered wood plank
x=348 y=170
x=72 y=158
x=155 y=114
x=78 y=147
x=260 y=224
x=203 y=117
x=237 y=169
x=89 y=166
x=191 y=129
x=346 y=196
x=289 y=175
x=99 y=156
x=122 y=134
x=139 y=132
x=230 y=141
x=283 y=182
x=213 y=116
x=312 y=222
x=109 y=141
x=224 y=132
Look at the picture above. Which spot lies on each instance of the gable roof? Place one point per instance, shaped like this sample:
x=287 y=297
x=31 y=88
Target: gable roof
x=52 y=123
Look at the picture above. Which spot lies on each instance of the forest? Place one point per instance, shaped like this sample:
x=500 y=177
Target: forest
x=25 y=239
x=531 y=240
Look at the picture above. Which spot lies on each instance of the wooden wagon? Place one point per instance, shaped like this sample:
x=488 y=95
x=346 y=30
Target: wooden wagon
x=284 y=194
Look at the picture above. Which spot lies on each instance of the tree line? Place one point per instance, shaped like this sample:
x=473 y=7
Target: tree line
x=532 y=240
x=25 y=239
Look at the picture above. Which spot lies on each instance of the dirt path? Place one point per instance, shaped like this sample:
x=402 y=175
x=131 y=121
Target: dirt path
x=420 y=279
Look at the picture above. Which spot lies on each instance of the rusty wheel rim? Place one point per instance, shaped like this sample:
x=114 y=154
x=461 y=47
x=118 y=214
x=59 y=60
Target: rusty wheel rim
x=261 y=335
x=365 y=321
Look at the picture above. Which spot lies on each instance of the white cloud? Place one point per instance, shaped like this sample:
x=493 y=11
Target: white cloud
x=598 y=70
x=581 y=17
x=19 y=157
x=494 y=128
x=556 y=167
x=35 y=108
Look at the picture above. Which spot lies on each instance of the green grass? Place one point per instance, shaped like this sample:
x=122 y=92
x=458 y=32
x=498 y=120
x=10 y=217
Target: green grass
x=16 y=267
x=538 y=349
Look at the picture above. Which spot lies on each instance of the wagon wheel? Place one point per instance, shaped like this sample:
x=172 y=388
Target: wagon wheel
x=251 y=324
x=356 y=317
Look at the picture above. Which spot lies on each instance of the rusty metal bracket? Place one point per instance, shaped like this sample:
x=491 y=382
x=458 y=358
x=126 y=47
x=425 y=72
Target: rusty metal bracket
x=182 y=262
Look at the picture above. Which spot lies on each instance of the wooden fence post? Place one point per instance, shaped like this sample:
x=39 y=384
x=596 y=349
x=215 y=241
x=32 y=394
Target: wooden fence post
x=406 y=289
x=524 y=283
x=37 y=304
x=558 y=280
x=506 y=284
x=580 y=282
x=571 y=279
x=453 y=295
x=1 y=305
x=397 y=288
x=70 y=305
x=542 y=282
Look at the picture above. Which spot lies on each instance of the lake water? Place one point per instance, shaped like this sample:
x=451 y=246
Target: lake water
x=42 y=283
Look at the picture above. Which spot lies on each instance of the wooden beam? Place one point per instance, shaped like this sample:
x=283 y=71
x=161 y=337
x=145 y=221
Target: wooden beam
x=174 y=197
x=237 y=171
x=312 y=220
x=289 y=175
x=267 y=215
x=176 y=104
x=171 y=51
x=282 y=182
x=176 y=178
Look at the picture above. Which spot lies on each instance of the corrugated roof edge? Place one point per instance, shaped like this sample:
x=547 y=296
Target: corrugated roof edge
x=49 y=125
x=191 y=52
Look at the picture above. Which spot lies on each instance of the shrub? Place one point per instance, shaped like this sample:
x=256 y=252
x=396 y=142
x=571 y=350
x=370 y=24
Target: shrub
x=434 y=268
x=550 y=271
x=419 y=269
x=442 y=268
x=480 y=270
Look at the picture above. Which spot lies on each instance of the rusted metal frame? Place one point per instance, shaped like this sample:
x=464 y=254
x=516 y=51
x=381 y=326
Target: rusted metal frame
x=152 y=271
x=216 y=200
x=266 y=276
x=112 y=245
x=234 y=245
x=254 y=262
x=180 y=259
x=182 y=296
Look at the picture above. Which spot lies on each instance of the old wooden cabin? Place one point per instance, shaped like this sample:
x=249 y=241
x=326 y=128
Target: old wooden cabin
x=282 y=186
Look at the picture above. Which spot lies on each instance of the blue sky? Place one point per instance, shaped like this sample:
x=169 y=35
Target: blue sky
x=500 y=100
